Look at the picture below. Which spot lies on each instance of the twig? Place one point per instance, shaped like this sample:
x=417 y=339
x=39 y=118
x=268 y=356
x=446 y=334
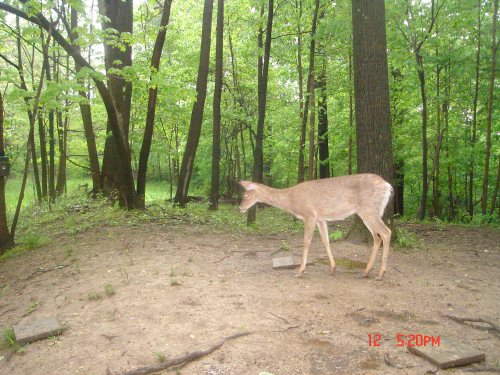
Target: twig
x=467 y=321
x=180 y=360
x=41 y=271
x=223 y=258
x=279 y=317
x=389 y=362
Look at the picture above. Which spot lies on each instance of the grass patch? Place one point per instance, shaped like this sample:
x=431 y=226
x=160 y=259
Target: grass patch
x=9 y=340
x=406 y=239
x=93 y=296
x=109 y=290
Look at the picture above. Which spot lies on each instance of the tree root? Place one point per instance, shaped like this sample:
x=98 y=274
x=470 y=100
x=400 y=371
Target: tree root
x=468 y=321
x=178 y=361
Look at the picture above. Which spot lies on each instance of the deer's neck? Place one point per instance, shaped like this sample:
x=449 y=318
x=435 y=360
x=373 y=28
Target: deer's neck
x=275 y=197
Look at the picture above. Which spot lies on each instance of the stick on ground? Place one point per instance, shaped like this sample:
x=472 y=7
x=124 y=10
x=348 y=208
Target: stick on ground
x=468 y=321
x=180 y=360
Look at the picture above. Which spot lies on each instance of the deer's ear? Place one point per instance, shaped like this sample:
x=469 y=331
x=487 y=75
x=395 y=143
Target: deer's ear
x=248 y=185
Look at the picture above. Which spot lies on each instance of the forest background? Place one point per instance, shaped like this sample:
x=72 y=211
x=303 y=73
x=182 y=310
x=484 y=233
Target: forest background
x=121 y=99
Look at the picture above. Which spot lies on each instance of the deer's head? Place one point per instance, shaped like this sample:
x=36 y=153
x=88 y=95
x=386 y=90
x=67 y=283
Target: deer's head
x=250 y=195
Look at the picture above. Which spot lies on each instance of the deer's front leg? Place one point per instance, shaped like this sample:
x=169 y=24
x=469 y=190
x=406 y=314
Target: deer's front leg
x=308 y=233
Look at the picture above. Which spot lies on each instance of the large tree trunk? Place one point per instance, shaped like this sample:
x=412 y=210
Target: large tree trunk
x=371 y=94
x=151 y=111
x=214 y=189
x=118 y=15
x=181 y=195
x=6 y=240
x=484 y=197
x=263 y=73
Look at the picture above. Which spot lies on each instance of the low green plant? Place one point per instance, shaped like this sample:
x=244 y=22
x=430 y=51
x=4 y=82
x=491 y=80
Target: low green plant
x=336 y=235
x=406 y=239
x=160 y=357
x=109 y=290
x=9 y=340
x=93 y=296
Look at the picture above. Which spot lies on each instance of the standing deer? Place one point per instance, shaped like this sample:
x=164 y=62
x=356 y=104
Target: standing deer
x=319 y=201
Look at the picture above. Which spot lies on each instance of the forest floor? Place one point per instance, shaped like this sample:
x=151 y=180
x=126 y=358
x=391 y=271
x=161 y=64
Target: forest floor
x=131 y=296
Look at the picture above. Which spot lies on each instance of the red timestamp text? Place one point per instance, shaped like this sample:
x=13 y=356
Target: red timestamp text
x=406 y=339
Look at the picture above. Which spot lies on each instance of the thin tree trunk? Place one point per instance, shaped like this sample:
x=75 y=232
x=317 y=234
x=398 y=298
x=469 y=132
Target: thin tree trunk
x=86 y=113
x=43 y=155
x=181 y=195
x=219 y=46
x=302 y=110
x=323 y=147
x=425 y=185
x=484 y=197
x=263 y=73
x=61 y=173
x=6 y=240
x=151 y=111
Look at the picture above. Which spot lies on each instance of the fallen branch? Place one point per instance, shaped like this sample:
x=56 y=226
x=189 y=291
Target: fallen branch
x=469 y=321
x=389 y=362
x=178 y=361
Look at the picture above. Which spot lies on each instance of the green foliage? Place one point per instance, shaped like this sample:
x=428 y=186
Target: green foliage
x=406 y=239
x=9 y=340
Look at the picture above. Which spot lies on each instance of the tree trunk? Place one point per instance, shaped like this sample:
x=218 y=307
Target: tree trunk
x=6 y=240
x=214 y=190
x=43 y=155
x=151 y=111
x=181 y=195
x=484 y=197
x=118 y=15
x=86 y=113
x=425 y=184
x=371 y=95
x=323 y=149
x=302 y=110
x=62 y=136
x=263 y=73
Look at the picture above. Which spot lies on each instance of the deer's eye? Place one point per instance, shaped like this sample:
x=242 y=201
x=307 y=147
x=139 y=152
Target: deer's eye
x=245 y=196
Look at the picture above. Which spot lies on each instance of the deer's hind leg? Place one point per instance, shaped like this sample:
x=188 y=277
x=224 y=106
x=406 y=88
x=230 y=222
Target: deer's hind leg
x=308 y=233
x=323 y=232
x=380 y=233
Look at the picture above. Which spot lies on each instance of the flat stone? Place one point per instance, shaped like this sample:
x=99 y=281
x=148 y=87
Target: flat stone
x=286 y=263
x=37 y=329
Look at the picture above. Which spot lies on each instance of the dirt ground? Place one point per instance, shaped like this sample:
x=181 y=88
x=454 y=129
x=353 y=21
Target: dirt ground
x=177 y=289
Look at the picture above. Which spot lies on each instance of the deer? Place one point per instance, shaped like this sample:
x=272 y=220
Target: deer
x=316 y=202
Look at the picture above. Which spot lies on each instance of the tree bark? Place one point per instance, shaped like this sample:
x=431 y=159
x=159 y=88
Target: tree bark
x=323 y=147
x=371 y=95
x=181 y=195
x=118 y=15
x=302 y=110
x=86 y=113
x=219 y=47
x=6 y=240
x=151 y=111
x=263 y=74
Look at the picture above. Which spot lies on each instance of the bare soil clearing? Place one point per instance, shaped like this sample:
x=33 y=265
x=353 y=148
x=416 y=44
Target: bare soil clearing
x=127 y=294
